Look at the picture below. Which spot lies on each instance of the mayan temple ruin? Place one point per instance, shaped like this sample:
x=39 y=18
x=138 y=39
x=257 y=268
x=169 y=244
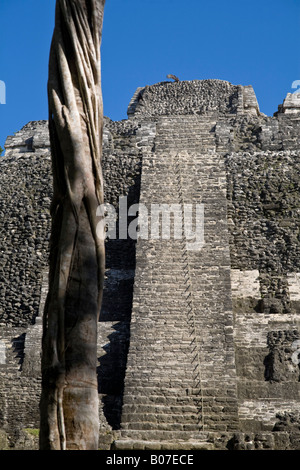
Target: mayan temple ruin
x=198 y=347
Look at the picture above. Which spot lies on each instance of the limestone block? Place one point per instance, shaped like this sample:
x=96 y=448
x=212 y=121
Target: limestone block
x=2 y=353
x=4 y=443
x=294 y=285
x=250 y=102
x=245 y=283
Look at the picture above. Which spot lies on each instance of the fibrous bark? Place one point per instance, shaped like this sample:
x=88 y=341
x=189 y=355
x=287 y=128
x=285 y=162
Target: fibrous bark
x=69 y=401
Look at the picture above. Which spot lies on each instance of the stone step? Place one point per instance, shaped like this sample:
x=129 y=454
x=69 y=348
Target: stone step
x=173 y=386
x=211 y=413
x=191 y=426
x=155 y=409
x=213 y=423
x=191 y=137
x=170 y=142
x=185 y=126
x=204 y=130
x=163 y=435
x=169 y=351
x=163 y=403
x=177 y=392
x=200 y=149
x=143 y=414
x=136 y=379
x=184 y=142
x=135 y=444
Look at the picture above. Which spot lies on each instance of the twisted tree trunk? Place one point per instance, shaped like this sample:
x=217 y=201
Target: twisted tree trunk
x=69 y=401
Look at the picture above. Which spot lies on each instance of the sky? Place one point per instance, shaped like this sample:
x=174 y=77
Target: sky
x=246 y=43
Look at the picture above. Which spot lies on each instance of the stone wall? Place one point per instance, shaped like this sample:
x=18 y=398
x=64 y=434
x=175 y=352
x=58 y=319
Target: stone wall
x=264 y=215
x=197 y=349
x=26 y=192
x=24 y=230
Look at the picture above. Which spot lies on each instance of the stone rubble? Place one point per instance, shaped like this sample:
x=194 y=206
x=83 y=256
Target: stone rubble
x=195 y=347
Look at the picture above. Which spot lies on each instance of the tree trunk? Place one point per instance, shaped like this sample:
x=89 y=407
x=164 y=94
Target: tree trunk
x=69 y=400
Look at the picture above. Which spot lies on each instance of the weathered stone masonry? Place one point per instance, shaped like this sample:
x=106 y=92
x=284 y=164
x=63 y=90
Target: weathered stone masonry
x=195 y=347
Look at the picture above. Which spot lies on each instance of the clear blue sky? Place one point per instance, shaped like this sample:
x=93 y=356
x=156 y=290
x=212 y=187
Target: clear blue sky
x=249 y=43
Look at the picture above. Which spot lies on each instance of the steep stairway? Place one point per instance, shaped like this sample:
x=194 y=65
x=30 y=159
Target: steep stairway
x=180 y=378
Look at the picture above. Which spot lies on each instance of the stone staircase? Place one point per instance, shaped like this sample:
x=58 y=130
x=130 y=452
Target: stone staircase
x=186 y=133
x=180 y=378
